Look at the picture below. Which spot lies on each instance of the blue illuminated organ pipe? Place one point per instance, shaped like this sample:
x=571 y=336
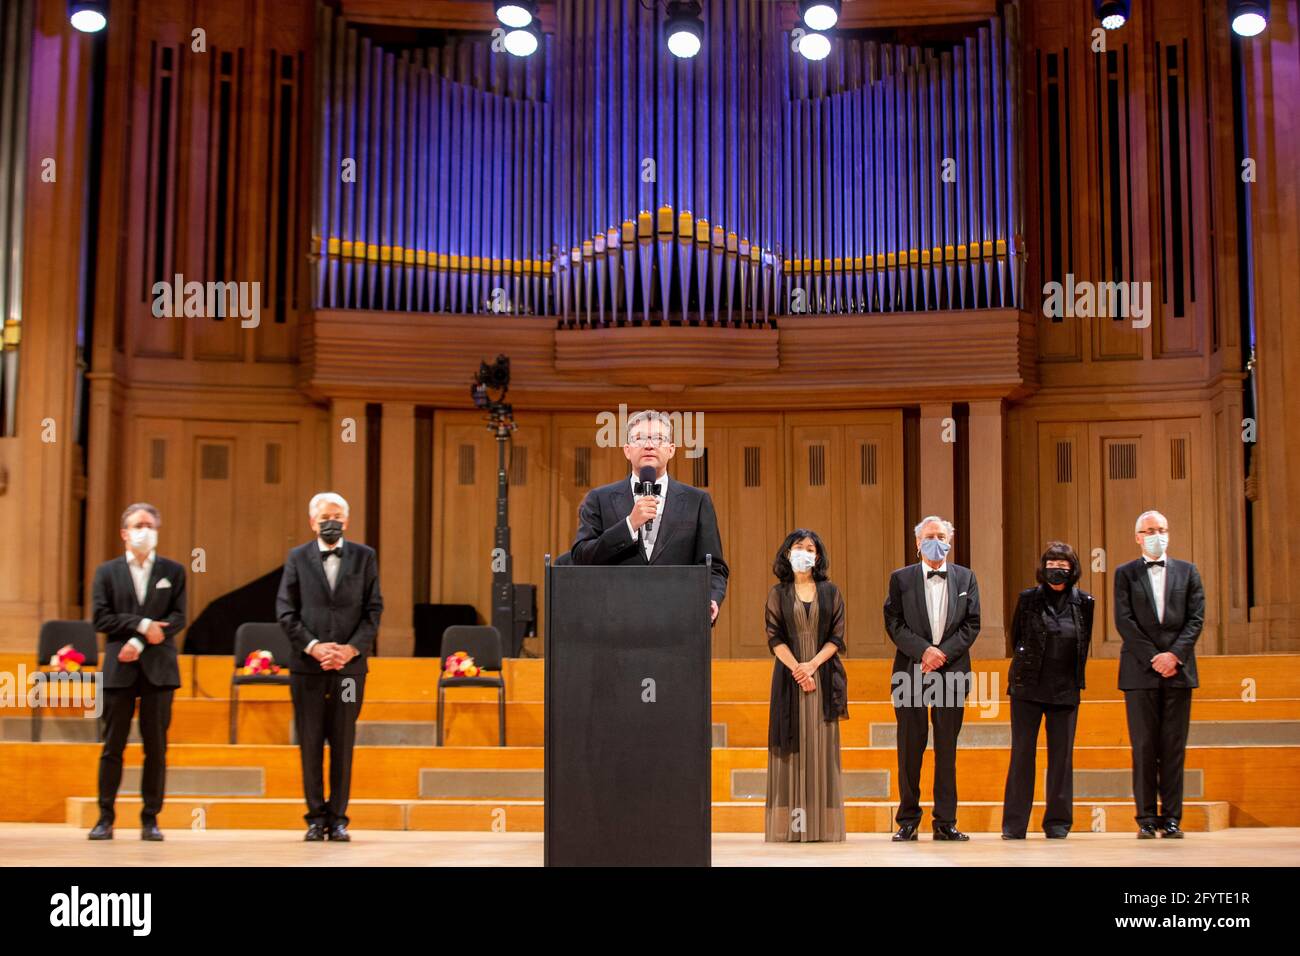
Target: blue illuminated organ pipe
x=606 y=182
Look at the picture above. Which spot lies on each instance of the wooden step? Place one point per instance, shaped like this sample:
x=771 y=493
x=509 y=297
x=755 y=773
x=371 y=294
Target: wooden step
x=1270 y=676
x=861 y=816
x=1102 y=723
x=1258 y=782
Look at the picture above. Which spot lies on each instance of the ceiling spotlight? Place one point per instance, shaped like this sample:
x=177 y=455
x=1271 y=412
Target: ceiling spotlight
x=524 y=41
x=814 y=46
x=685 y=28
x=516 y=13
x=1113 y=14
x=819 y=14
x=87 y=15
x=1249 y=17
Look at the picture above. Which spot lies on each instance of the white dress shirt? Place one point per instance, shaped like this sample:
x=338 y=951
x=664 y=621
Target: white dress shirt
x=648 y=538
x=331 y=572
x=140 y=572
x=1156 y=575
x=936 y=600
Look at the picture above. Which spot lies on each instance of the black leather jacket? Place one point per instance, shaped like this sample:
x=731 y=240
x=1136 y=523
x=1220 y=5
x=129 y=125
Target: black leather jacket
x=1029 y=635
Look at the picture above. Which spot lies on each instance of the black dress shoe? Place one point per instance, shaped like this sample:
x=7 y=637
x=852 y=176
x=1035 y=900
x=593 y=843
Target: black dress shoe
x=103 y=830
x=150 y=831
x=1057 y=834
x=339 y=833
x=1171 y=831
x=1146 y=832
x=315 y=833
x=905 y=833
x=1013 y=836
x=946 y=831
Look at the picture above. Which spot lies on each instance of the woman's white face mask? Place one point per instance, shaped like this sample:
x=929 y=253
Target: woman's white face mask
x=802 y=560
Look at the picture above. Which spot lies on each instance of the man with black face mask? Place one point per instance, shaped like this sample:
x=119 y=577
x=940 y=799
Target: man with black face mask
x=1051 y=631
x=329 y=606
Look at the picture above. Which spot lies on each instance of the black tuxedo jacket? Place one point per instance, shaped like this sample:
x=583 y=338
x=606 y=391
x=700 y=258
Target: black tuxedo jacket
x=908 y=621
x=309 y=611
x=117 y=614
x=688 y=531
x=1145 y=636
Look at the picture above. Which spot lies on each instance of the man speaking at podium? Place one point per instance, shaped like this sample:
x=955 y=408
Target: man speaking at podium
x=633 y=522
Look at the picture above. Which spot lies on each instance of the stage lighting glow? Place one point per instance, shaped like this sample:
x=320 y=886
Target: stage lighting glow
x=523 y=41
x=87 y=16
x=820 y=14
x=515 y=13
x=1113 y=14
x=1249 y=17
x=685 y=29
x=814 y=46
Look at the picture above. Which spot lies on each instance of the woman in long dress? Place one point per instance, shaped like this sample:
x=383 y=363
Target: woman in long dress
x=805 y=632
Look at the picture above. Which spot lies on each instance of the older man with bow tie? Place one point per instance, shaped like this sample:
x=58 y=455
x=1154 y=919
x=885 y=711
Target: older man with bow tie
x=1159 y=613
x=329 y=606
x=933 y=616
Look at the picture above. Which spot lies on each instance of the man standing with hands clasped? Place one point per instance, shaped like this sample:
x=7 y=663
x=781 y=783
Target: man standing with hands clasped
x=933 y=616
x=1159 y=612
x=329 y=606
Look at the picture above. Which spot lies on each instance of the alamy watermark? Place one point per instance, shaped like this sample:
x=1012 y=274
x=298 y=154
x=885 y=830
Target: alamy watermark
x=47 y=690
x=912 y=688
x=688 y=429
x=209 y=300
x=1105 y=300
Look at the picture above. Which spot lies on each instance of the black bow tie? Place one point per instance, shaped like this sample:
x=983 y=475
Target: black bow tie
x=935 y=574
x=331 y=553
x=1155 y=564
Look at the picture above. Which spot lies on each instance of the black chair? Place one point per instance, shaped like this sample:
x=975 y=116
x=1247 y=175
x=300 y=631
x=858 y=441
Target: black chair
x=257 y=637
x=483 y=643
x=55 y=634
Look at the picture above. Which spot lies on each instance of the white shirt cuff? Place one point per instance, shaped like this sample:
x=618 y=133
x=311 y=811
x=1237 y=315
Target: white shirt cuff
x=143 y=626
x=310 y=645
x=139 y=644
x=630 y=529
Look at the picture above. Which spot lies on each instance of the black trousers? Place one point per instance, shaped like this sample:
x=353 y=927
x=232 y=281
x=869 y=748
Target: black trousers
x=155 y=718
x=325 y=707
x=913 y=732
x=1018 y=799
x=1158 y=721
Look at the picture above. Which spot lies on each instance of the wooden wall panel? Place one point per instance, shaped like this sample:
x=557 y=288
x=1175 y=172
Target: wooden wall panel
x=747 y=474
x=464 y=507
x=203 y=474
x=860 y=526
x=873 y=487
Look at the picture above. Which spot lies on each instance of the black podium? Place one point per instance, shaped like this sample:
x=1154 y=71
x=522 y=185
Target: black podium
x=628 y=722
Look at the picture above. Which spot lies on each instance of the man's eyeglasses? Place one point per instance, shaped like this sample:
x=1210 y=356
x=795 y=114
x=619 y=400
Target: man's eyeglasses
x=656 y=441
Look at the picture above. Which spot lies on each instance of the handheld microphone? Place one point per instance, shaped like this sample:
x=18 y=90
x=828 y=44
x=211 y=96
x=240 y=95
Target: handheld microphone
x=647 y=488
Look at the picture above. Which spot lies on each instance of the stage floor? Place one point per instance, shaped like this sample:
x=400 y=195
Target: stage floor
x=33 y=844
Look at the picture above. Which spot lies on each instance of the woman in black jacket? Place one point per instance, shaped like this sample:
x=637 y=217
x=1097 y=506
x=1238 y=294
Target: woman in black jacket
x=805 y=632
x=1051 y=631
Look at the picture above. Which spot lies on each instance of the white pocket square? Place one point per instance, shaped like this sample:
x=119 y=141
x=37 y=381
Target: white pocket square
x=163 y=583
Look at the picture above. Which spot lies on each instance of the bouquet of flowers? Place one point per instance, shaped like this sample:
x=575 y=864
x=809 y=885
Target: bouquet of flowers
x=260 y=662
x=459 y=664
x=67 y=660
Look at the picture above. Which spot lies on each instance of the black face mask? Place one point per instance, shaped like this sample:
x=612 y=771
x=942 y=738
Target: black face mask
x=1056 y=576
x=330 y=531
